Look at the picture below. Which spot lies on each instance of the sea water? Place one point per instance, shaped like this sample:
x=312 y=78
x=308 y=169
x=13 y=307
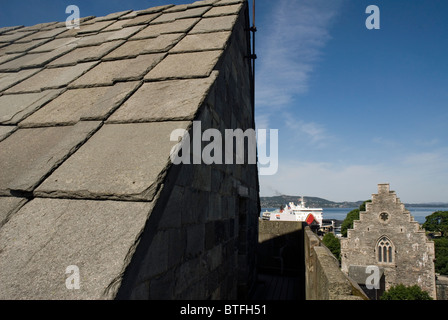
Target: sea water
x=419 y=213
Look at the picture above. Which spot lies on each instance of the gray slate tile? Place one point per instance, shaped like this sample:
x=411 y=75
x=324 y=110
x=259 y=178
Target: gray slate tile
x=223 y=10
x=165 y=100
x=5 y=131
x=8 y=206
x=47 y=235
x=15 y=107
x=86 y=54
x=28 y=155
x=202 y=41
x=172 y=16
x=180 y=7
x=108 y=72
x=178 y=26
x=96 y=39
x=81 y=104
x=155 y=9
x=185 y=65
x=141 y=19
x=8 y=57
x=202 y=3
x=54 y=44
x=228 y=2
x=121 y=161
x=44 y=34
x=94 y=27
x=117 y=25
x=133 y=48
x=40 y=26
x=224 y=23
x=23 y=47
x=113 y=16
x=7 y=80
x=33 y=60
x=8 y=29
x=51 y=78
x=14 y=36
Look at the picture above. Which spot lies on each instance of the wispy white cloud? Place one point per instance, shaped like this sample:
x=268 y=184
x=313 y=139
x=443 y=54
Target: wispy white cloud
x=430 y=142
x=433 y=163
x=289 y=48
x=290 y=45
x=385 y=142
x=262 y=121
x=324 y=179
x=311 y=132
x=417 y=177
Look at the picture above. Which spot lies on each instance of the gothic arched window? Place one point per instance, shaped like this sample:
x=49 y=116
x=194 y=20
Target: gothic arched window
x=385 y=250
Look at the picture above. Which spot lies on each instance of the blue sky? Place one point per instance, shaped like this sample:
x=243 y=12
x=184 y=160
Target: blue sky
x=354 y=107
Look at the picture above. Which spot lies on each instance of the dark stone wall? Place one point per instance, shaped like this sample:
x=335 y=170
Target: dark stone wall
x=281 y=247
x=200 y=240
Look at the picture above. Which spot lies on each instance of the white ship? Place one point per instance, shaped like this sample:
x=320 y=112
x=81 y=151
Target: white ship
x=298 y=212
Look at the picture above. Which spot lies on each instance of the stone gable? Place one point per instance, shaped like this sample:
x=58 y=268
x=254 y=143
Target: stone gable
x=387 y=236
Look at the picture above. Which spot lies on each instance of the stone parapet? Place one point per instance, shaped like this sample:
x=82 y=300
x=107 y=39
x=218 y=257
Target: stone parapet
x=442 y=287
x=324 y=279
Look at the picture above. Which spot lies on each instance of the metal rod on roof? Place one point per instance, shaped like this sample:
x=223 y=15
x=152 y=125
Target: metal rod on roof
x=253 y=13
x=253 y=56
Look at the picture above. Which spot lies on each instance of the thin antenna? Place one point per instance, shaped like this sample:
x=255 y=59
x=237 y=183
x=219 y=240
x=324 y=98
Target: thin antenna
x=253 y=13
x=253 y=56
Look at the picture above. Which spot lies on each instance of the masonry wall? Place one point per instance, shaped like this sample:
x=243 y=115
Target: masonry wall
x=280 y=247
x=305 y=257
x=200 y=240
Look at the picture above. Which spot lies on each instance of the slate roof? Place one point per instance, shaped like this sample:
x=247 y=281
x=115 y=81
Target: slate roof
x=85 y=120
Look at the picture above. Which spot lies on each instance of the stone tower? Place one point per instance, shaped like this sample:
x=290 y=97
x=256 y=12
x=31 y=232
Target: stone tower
x=387 y=236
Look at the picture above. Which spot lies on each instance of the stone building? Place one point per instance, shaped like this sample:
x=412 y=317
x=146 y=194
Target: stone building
x=386 y=236
x=91 y=205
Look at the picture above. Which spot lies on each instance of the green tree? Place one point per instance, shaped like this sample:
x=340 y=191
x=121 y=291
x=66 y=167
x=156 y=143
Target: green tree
x=437 y=222
x=351 y=216
x=332 y=243
x=348 y=221
x=402 y=292
x=441 y=251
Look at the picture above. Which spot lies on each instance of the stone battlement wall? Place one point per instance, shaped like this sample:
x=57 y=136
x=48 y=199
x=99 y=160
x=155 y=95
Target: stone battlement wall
x=280 y=247
x=324 y=279
x=292 y=248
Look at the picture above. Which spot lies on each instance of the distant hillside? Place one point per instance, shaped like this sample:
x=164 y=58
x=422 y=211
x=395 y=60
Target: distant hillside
x=315 y=202
x=312 y=202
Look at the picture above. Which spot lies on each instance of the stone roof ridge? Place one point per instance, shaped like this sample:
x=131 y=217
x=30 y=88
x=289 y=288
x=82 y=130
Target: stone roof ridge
x=125 y=14
x=103 y=73
x=8 y=29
